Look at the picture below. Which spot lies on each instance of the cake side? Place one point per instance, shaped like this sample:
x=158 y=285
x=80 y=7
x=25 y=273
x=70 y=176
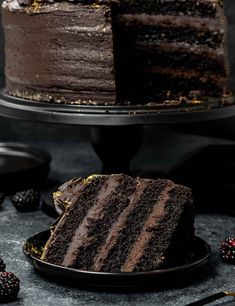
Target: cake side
x=122 y=224
x=59 y=52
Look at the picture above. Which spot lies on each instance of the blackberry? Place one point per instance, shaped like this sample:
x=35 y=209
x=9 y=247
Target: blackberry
x=27 y=200
x=2 y=197
x=227 y=250
x=9 y=286
x=2 y=265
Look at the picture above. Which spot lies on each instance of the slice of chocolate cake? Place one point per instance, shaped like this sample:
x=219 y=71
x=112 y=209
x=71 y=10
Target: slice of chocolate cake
x=117 y=223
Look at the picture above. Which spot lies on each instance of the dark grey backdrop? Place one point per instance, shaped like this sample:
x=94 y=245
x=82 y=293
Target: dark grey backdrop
x=38 y=133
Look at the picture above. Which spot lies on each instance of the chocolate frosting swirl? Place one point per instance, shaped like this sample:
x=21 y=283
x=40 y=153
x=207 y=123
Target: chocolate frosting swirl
x=19 y=4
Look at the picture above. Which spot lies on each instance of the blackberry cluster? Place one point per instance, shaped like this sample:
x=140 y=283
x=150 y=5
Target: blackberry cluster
x=9 y=286
x=27 y=200
x=227 y=250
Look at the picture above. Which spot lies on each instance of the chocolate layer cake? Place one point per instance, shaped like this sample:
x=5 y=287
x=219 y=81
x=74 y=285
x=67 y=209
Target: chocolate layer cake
x=118 y=223
x=116 y=51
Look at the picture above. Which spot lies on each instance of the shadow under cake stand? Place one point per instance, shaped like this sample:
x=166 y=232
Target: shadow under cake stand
x=115 y=131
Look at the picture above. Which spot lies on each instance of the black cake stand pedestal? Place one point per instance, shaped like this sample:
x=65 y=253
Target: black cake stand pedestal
x=116 y=131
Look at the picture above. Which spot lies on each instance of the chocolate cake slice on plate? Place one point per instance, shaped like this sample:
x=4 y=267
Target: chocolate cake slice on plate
x=117 y=223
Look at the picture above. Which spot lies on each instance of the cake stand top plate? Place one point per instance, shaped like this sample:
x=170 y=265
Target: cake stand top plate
x=24 y=109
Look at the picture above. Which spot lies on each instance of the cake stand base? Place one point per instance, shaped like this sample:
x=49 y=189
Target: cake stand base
x=116 y=131
x=116 y=146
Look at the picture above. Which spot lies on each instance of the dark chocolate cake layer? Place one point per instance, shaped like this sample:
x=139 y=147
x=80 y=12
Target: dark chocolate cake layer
x=118 y=223
x=200 y=8
x=60 y=52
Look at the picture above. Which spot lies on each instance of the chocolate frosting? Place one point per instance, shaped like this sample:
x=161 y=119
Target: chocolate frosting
x=128 y=4
x=47 y=58
x=15 y=5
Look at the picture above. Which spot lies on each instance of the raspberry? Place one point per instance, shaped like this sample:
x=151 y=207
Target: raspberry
x=227 y=250
x=9 y=286
x=27 y=200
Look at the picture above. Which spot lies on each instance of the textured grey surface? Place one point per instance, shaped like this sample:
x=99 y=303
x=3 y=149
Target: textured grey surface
x=35 y=290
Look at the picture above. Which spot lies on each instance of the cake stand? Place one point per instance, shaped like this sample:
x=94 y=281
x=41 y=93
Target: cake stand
x=116 y=131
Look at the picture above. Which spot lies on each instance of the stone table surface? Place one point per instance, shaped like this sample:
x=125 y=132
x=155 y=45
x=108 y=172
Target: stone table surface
x=15 y=227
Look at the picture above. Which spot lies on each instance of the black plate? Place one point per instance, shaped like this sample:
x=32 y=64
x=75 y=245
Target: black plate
x=33 y=247
x=26 y=109
x=22 y=166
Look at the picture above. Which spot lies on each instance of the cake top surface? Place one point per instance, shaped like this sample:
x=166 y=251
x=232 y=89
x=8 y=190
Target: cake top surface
x=14 y=5
x=18 y=5
x=67 y=193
